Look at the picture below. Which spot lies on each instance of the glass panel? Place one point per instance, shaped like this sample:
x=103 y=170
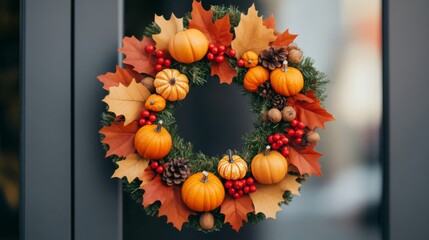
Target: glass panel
x=344 y=38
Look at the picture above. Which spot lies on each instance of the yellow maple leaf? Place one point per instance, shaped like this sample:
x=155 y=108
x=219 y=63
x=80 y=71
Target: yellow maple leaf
x=251 y=34
x=127 y=101
x=131 y=167
x=266 y=199
x=289 y=183
x=168 y=29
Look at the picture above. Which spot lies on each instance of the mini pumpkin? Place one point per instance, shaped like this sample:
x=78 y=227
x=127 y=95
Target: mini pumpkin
x=171 y=84
x=286 y=81
x=269 y=167
x=250 y=58
x=255 y=77
x=203 y=192
x=153 y=141
x=232 y=167
x=155 y=103
x=188 y=46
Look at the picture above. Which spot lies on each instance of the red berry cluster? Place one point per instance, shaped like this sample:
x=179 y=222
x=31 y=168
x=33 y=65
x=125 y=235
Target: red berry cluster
x=236 y=188
x=279 y=141
x=160 y=57
x=216 y=53
x=156 y=167
x=240 y=63
x=296 y=132
x=147 y=117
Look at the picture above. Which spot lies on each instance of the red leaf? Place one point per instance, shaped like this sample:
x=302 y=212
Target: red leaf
x=120 y=138
x=235 y=210
x=270 y=22
x=172 y=205
x=284 y=39
x=225 y=72
x=147 y=176
x=309 y=112
x=113 y=79
x=218 y=32
x=305 y=160
x=136 y=56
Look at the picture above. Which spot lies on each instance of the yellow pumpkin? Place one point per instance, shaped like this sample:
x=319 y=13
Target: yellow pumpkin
x=171 y=84
x=250 y=59
x=269 y=167
x=286 y=81
x=203 y=192
x=153 y=141
x=232 y=167
x=255 y=77
x=155 y=103
x=188 y=46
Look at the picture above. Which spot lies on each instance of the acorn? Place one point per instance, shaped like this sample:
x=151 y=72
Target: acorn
x=295 y=56
x=206 y=221
x=288 y=114
x=264 y=116
x=312 y=137
x=148 y=83
x=274 y=115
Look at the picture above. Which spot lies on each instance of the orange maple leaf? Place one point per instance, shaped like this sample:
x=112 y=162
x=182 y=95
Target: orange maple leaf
x=113 y=79
x=218 y=32
x=136 y=56
x=224 y=71
x=120 y=138
x=311 y=113
x=270 y=22
x=305 y=160
x=172 y=205
x=236 y=210
x=284 y=39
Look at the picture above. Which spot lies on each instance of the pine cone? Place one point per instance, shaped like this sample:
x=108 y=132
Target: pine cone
x=265 y=90
x=271 y=58
x=278 y=101
x=176 y=171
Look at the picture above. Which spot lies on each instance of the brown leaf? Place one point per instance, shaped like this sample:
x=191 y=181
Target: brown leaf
x=113 y=79
x=218 y=32
x=251 y=34
x=284 y=39
x=127 y=101
x=289 y=183
x=236 y=210
x=171 y=199
x=131 y=167
x=168 y=29
x=136 y=56
x=224 y=71
x=305 y=160
x=266 y=199
x=270 y=22
x=120 y=138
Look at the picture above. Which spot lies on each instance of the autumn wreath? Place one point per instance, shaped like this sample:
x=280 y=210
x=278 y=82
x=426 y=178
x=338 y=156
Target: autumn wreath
x=159 y=168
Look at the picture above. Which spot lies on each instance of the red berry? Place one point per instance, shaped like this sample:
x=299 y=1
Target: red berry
x=240 y=192
x=167 y=63
x=210 y=56
x=211 y=46
x=232 y=53
x=214 y=50
x=270 y=139
x=152 y=118
x=158 y=67
x=243 y=181
x=298 y=140
x=291 y=132
x=220 y=59
x=299 y=133
x=276 y=137
x=294 y=123
x=221 y=48
x=159 y=53
x=149 y=48
x=275 y=146
x=301 y=125
x=160 y=169
x=148 y=122
x=238 y=185
x=252 y=188
x=240 y=63
x=145 y=113
x=285 y=140
x=282 y=136
x=231 y=191
x=236 y=195
x=161 y=60
x=154 y=165
x=246 y=189
x=228 y=184
x=250 y=181
x=279 y=143
x=142 y=121
x=285 y=152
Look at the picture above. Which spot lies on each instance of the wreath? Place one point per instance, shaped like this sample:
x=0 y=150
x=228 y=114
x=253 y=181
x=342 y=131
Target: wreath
x=160 y=170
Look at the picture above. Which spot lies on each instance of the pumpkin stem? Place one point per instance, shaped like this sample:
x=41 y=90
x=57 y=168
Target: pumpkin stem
x=172 y=81
x=158 y=127
x=284 y=67
x=205 y=177
x=231 y=160
x=152 y=102
x=266 y=150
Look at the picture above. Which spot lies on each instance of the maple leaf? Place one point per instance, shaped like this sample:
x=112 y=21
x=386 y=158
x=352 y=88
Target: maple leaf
x=270 y=22
x=131 y=167
x=120 y=138
x=289 y=183
x=147 y=176
x=136 y=56
x=218 y=32
x=236 y=210
x=305 y=160
x=224 y=71
x=172 y=205
x=266 y=199
x=113 y=79
x=302 y=97
x=251 y=34
x=310 y=113
x=284 y=39
x=168 y=29
x=127 y=101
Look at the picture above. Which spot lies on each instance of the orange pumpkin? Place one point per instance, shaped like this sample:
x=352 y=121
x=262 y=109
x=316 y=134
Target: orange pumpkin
x=250 y=59
x=188 y=46
x=171 y=84
x=286 y=81
x=232 y=167
x=269 y=167
x=255 y=77
x=153 y=141
x=155 y=103
x=203 y=192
